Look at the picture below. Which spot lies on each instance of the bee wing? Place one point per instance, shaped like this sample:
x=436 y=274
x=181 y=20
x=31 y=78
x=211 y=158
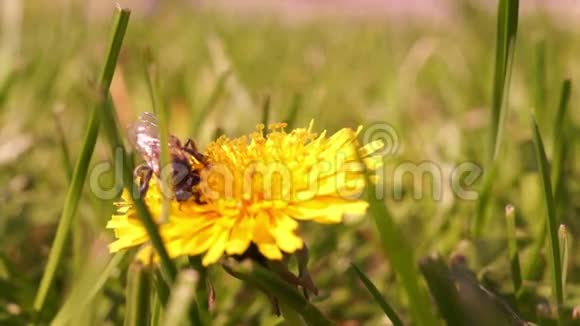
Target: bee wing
x=144 y=137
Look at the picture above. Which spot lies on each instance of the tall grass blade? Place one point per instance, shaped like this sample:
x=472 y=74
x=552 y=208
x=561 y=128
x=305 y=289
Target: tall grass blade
x=540 y=81
x=77 y=232
x=483 y=202
x=564 y=242
x=156 y=309
x=161 y=288
x=161 y=112
x=64 y=152
x=546 y=185
x=513 y=251
x=534 y=266
x=389 y=311
x=295 y=106
x=559 y=145
x=81 y=168
x=137 y=310
x=84 y=290
x=179 y=310
x=115 y=142
x=204 y=290
x=11 y=28
x=401 y=256
x=507 y=26
x=215 y=95
x=7 y=83
x=266 y=111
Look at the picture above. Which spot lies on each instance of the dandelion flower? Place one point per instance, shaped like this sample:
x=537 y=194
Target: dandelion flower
x=255 y=191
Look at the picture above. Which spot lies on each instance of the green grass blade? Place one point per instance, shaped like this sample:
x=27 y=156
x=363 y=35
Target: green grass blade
x=559 y=140
x=295 y=106
x=160 y=110
x=483 y=202
x=546 y=185
x=559 y=146
x=77 y=231
x=513 y=251
x=564 y=242
x=112 y=132
x=81 y=168
x=7 y=84
x=156 y=308
x=389 y=311
x=534 y=266
x=90 y=283
x=215 y=95
x=401 y=256
x=137 y=295
x=266 y=111
x=271 y=284
x=540 y=81
x=181 y=309
x=64 y=151
x=161 y=288
x=443 y=289
x=507 y=26
x=203 y=289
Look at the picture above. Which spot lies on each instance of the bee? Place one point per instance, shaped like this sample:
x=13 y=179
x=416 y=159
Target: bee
x=186 y=161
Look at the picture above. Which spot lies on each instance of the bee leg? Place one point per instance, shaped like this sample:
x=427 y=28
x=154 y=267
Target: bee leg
x=144 y=173
x=190 y=147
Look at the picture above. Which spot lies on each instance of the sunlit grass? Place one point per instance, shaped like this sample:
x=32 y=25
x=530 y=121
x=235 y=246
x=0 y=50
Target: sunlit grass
x=444 y=90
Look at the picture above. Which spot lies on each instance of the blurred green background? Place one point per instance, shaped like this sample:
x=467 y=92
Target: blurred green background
x=427 y=73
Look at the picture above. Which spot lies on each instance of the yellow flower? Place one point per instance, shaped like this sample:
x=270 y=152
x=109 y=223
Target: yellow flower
x=256 y=189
